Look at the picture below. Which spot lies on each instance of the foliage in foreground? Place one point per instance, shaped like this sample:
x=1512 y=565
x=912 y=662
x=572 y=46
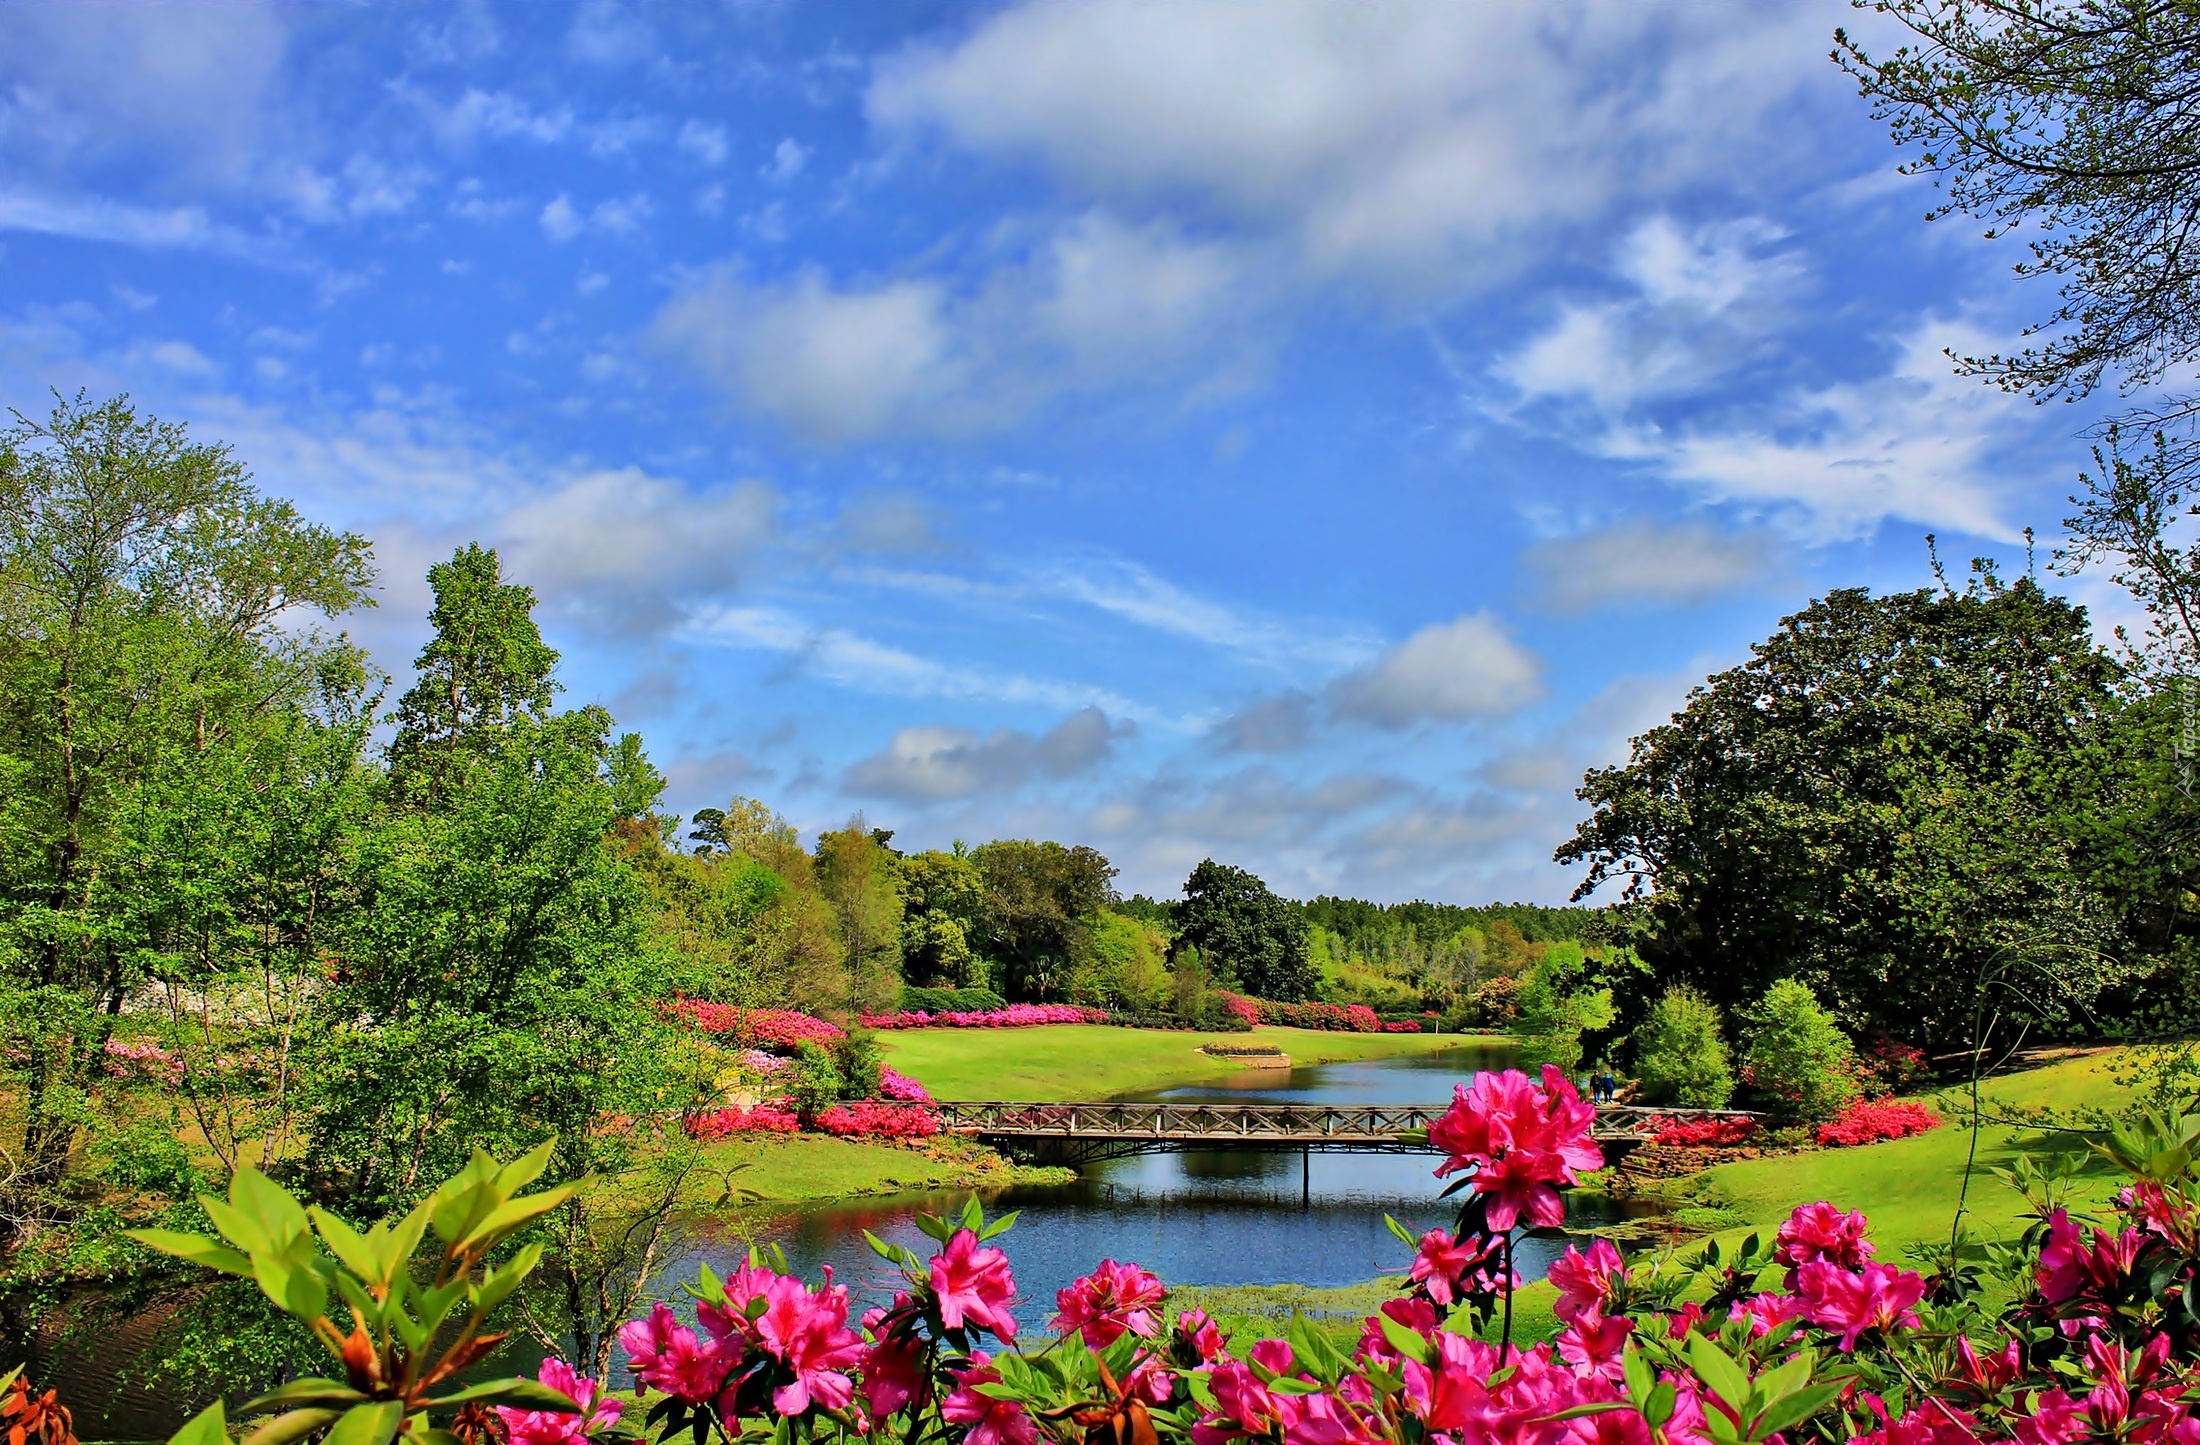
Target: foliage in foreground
x=1807 y=1338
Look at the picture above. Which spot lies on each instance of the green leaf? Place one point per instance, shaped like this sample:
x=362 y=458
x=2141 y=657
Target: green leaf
x=1659 y=1407
x=195 y=1247
x=373 y=1424
x=1785 y=1379
x=1717 y=1369
x=940 y=1229
x=526 y=1169
x=518 y=1393
x=348 y=1245
x=312 y=1390
x=208 y=1427
x=973 y=1214
x=1402 y=1232
x=1794 y=1408
x=1406 y=1340
x=1639 y=1373
x=499 y=1283
x=260 y=1197
x=290 y=1426
x=509 y=1216
x=1285 y=1385
x=1000 y=1226
x=236 y=1226
x=993 y=1391
x=1578 y=1411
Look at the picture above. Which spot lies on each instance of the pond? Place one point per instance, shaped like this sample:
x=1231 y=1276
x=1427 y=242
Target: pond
x=1213 y=1218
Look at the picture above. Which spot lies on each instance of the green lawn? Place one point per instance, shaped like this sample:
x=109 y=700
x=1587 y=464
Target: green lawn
x=1908 y=1187
x=796 y=1168
x=1074 y=1062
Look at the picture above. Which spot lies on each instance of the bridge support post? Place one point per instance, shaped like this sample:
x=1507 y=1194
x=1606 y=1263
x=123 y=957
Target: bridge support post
x=1306 y=1189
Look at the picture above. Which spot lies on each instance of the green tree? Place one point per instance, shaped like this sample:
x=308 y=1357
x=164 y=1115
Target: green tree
x=1888 y=796
x=1247 y=935
x=860 y=881
x=943 y=906
x=1560 y=1004
x=151 y=655
x=1681 y=1056
x=1040 y=903
x=498 y=979
x=1796 y=1058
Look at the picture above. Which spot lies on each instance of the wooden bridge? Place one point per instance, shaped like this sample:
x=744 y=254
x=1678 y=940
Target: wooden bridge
x=1086 y=1133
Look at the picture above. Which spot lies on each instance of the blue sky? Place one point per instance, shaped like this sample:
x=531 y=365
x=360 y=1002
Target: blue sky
x=1302 y=434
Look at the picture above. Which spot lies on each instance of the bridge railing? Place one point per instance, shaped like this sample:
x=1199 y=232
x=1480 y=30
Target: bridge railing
x=1372 y=1122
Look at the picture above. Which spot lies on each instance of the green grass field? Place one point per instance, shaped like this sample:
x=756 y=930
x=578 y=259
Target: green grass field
x=1079 y=1062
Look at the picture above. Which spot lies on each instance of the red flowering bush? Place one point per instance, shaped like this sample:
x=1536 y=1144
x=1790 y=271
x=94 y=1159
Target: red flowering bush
x=872 y=1119
x=893 y=1084
x=1869 y=1121
x=1243 y=1009
x=1015 y=1016
x=1701 y=1133
x=1402 y=1026
x=1336 y=1018
x=757 y=1027
x=763 y=1119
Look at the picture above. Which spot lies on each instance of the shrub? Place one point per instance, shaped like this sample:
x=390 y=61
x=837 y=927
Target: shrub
x=1680 y=1056
x=950 y=1000
x=763 y=1119
x=1868 y=1121
x=757 y=1027
x=893 y=1084
x=1701 y=1133
x=1014 y=1016
x=856 y=1059
x=872 y=1119
x=815 y=1083
x=1355 y=1018
x=1798 y=1059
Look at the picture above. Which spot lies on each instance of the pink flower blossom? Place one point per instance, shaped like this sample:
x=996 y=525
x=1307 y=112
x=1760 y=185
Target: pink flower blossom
x=807 y=1331
x=1449 y=1270
x=1196 y=1339
x=893 y=1369
x=1820 y=1231
x=1594 y=1345
x=729 y=1324
x=1417 y=1315
x=1929 y=1422
x=556 y=1427
x=1767 y=1312
x=1112 y=1300
x=1586 y=1281
x=1520 y=1140
x=974 y=1286
x=2068 y=1267
x=1243 y=1406
x=990 y=1421
x=1879 y=1296
x=2056 y=1419
x=666 y=1355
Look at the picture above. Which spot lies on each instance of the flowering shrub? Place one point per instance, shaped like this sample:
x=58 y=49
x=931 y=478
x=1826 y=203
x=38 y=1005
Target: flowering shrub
x=1701 y=1133
x=892 y=1084
x=144 y=1059
x=1337 y=1018
x=1402 y=1026
x=871 y=1119
x=1015 y=1016
x=1869 y=1121
x=763 y=1119
x=757 y=1027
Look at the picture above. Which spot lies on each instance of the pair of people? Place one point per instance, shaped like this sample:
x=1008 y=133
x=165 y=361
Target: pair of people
x=1603 y=1088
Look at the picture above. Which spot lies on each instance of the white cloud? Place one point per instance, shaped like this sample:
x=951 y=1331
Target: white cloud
x=1447 y=672
x=1641 y=561
x=607 y=33
x=632 y=551
x=707 y=143
x=560 y=222
x=788 y=158
x=1407 y=144
x=887 y=524
x=90 y=218
x=933 y=764
x=1091 y=304
x=1124 y=589
x=621 y=216
x=497 y=115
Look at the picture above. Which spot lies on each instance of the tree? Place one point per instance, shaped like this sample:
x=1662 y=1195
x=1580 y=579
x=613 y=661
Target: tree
x=1681 y=1056
x=1040 y=900
x=860 y=881
x=153 y=649
x=1560 y=1003
x=1796 y=1058
x=2074 y=118
x=1889 y=794
x=498 y=980
x=943 y=906
x=1247 y=935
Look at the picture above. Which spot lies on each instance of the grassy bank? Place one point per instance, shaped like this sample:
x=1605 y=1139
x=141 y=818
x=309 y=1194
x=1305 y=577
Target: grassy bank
x=1076 y=1062
x=802 y=1168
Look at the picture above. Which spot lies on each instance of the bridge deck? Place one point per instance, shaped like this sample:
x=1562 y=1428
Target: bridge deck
x=1093 y=1131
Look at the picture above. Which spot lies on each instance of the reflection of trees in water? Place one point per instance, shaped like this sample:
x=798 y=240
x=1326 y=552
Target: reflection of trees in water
x=1238 y=1164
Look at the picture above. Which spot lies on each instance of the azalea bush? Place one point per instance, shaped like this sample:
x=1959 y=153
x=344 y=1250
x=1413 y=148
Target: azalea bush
x=1014 y=1016
x=758 y=1027
x=762 y=1119
x=1700 y=1133
x=1355 y=1018
x=875 y=1119
x=1868 y=1121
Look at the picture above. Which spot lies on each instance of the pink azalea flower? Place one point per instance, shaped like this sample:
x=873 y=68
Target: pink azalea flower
x=2068 y=1267
x=1593 y=1345
x=1417 y=1315
x=1452 y=1389
x=1879 y=1296
x=666 y=1355
x=990 y=1421
x=1521 y=1141
x=1113 y=1300
x=1682 y=1320
x=2056 y=1419
x=973 y=1286
x=1820 y=1231
x=1930 y=1422
x=555 y=1427
x=1766 y=1312
x=1448 y=1270
x=730 y=1322
x=1243 y=1406
x=1585 y=1281
x=893 y=1365
x=808 y=1333
x=1197 y=1339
